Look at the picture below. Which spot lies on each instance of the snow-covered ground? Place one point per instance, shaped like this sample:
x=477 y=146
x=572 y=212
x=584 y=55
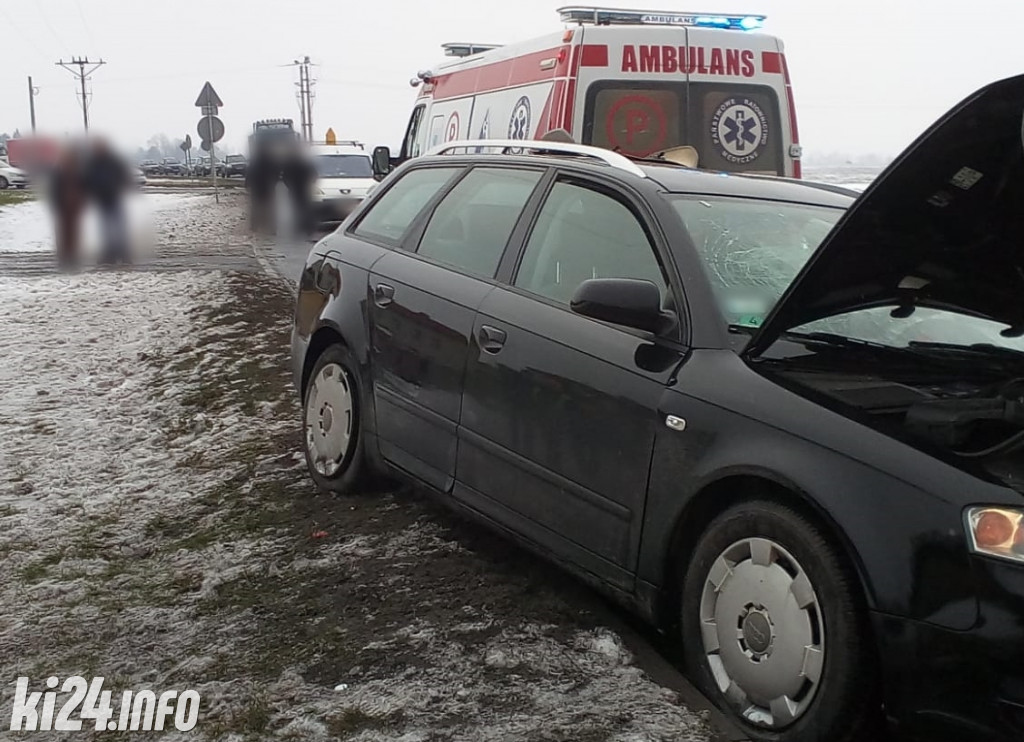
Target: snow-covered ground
x=157 y=528
x=28 y=227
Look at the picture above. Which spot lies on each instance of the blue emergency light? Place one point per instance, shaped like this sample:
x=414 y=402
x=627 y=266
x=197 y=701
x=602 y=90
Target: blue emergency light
x=627 y=17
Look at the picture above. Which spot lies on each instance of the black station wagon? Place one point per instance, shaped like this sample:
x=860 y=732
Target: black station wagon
x=778 y=419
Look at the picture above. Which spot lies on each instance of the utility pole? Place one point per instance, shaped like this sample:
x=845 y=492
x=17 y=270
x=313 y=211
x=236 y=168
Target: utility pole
x=305 y=96
x=82 y=74
x=32 y=93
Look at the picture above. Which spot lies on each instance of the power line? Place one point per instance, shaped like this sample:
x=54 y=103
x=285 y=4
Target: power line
x=82 y=74
x=21 y=34
x=85 y=22
x=46 y=20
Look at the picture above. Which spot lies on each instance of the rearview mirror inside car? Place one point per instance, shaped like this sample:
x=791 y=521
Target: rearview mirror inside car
x=630 y=302
x=381 y=162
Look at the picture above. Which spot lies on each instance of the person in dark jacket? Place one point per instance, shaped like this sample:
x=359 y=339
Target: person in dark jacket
x=107 y=180
x=67 y=199
x=261 y=179
x=300 y=175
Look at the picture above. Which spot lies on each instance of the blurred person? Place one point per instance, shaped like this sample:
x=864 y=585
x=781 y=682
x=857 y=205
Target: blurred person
x=300 y=175
x=68 y=200
x=107 y=180
x=261 y=178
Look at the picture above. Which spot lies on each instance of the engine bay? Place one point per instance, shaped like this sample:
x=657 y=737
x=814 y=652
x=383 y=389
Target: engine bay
x=979 y=419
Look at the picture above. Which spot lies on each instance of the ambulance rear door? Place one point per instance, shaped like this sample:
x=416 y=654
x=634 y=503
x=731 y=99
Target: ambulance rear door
x=740 y=115
x=642 y=89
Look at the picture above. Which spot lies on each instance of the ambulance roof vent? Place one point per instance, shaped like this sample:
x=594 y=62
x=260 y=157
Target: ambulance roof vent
x=626 y=17
x=458 y=49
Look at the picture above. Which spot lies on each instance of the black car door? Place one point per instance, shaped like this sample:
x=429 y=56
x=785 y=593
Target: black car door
x=560 y=411
x=422 y=311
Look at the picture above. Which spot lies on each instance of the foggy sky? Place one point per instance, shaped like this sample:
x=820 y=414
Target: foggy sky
x=868 y=76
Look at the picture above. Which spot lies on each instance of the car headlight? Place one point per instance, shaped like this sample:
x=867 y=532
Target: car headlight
x=996 y=531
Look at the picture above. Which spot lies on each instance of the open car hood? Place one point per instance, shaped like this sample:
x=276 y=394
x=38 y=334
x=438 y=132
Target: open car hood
x=943 y=226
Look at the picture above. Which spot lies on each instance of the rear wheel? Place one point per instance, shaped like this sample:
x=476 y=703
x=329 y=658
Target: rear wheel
x=4 y=184
x=773 y=628
x=332 y=419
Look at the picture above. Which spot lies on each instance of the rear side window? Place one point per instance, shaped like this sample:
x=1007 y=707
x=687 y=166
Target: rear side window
x=471 y=226
x=391 y=215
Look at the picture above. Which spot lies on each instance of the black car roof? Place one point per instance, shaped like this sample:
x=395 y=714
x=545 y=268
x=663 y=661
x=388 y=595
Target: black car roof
x=678 y=179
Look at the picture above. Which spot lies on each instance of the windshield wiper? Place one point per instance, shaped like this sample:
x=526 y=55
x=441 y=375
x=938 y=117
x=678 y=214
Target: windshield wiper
x=975 y=350
x=833 y=340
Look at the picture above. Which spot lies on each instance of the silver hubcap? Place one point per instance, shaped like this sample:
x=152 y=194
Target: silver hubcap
x=763 y=633
x=329 y=419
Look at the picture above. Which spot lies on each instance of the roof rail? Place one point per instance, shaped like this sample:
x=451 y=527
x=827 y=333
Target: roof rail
x=460 y=49
x=605 y=155
x=629 y=17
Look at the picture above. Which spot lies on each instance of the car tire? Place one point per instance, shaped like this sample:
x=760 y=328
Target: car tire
x=774 y=628
x=332 y=424
x=4 y=185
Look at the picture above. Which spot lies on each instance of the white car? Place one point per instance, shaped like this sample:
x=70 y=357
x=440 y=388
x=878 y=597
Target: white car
x=12 y=177
x=345 y=179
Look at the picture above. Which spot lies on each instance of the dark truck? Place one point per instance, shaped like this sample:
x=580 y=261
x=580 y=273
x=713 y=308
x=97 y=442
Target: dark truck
x=270 y=131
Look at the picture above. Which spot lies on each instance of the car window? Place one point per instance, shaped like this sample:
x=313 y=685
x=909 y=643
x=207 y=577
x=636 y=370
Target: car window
x=344 y=166
x=752 y=250
x=395 y=210
x=411 y=146
x=471 y=226
x=580 y=234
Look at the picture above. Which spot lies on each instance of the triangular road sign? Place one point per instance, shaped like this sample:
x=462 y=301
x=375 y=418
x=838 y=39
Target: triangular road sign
x=208 y=96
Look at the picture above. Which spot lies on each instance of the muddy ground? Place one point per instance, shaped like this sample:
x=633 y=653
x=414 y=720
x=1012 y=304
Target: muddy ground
x=157 y=528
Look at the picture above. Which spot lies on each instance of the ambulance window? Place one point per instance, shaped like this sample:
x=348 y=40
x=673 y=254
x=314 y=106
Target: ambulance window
x=391 y=214
x=736 y=127
x=410 y=145
x=635 y=119
x=436 y=131
x=471 y=226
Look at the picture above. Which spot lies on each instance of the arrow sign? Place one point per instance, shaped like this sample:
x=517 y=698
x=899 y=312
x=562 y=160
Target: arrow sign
x=208 y=97
x=211 y=125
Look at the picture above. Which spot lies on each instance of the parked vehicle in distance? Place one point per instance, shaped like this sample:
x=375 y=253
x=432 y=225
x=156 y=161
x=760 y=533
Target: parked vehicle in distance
x=138 y=176
x=234 y=165
x=12 y=177
x=151 y=167
x=171 y=166
x=782 y=421
x=202 y=166
x=345 y=179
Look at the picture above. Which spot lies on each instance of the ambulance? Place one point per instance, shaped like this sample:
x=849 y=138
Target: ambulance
x=637 y=82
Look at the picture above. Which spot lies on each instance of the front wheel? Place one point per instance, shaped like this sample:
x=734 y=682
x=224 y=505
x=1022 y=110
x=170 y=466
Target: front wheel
x=4 y=184
x=774 y=630
x=331 y=424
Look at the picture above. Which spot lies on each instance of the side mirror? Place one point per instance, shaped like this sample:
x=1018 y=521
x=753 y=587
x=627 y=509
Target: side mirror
x=630 y=302
x=381 y=162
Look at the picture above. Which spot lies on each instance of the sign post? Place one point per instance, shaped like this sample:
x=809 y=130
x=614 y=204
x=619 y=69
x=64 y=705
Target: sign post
x=211 y=128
